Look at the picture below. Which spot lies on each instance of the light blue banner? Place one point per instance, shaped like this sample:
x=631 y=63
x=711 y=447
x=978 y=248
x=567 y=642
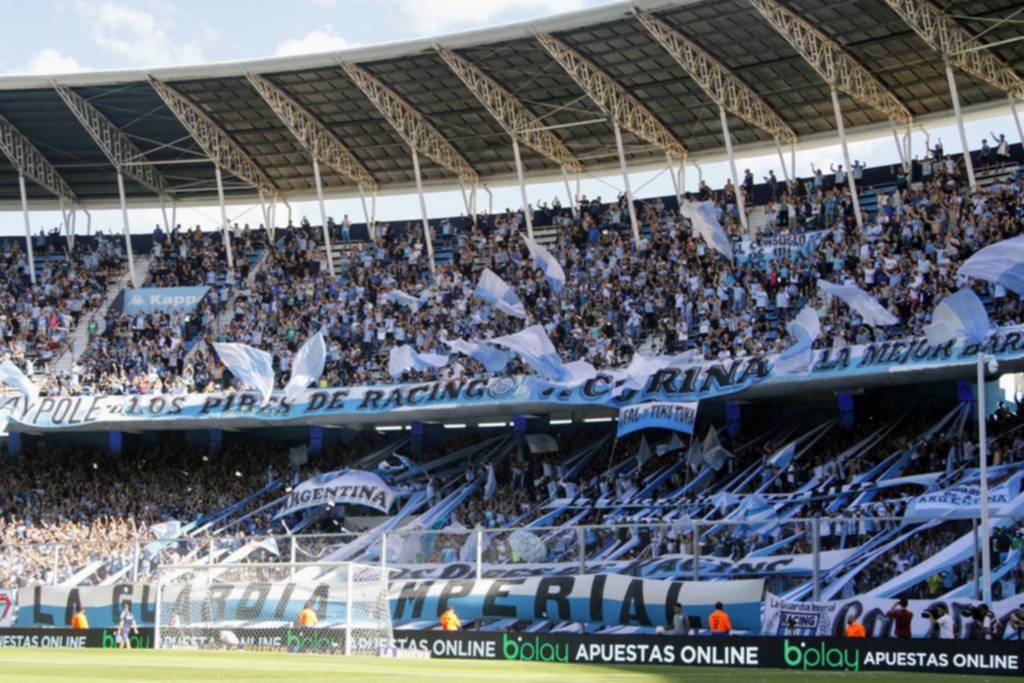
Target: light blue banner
x=162 y=299
x=678 y=417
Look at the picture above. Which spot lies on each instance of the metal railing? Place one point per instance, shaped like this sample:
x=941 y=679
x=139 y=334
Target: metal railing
x=786 y=553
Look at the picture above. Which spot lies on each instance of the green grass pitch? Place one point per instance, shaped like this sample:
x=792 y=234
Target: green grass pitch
x=198 y=667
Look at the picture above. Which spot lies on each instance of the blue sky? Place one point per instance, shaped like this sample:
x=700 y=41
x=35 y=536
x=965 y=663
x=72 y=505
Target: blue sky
x=75 y=35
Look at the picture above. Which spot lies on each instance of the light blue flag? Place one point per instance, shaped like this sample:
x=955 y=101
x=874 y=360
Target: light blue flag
x=959 y=315
x=497 y=292
x=547 y=263
x=1000 y=263
x=307 y=366
x=494 y=360
x=253 y=368
x=535 y=348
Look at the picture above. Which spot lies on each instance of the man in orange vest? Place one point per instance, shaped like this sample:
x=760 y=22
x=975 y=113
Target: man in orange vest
x=855 y=629
x=450 y=620
x=78 y=620
x=719 y=622
x=307 y=617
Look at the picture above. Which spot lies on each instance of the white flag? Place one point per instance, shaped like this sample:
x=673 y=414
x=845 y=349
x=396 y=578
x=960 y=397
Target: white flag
x=958 y=315
x=405 y=358
x=409 y=300
x=1000 y=263
x=799 y=357
x=543 y=259
x=864 y=304
x=704 y=216
x=253 y=368
x=307 y=366
x=492 y=482
x=533 y=346
x=494 y=360
x=11 y=375
x=496 y=292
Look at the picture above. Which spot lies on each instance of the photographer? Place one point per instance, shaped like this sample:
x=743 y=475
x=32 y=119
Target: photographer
x=941 y=621
x=901 y=618
x=1017 y=622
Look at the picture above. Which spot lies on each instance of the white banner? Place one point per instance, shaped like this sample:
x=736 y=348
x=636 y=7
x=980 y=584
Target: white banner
x=963 y=502
x=345 y=487
x=828 y=618
x=679 y=417
x=778 y=246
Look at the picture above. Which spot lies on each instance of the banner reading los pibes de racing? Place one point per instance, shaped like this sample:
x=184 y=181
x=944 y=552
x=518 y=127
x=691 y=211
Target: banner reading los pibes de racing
x=882 y=363
x=608 y=599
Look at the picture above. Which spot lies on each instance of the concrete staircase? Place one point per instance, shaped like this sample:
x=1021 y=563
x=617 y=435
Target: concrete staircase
x=79 y=338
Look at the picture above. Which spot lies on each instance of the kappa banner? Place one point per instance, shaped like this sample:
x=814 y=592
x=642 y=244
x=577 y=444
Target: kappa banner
x=346 y=487
x=828 y=617
x=608 y=599
x=778 y=246
x=881 y=362
x=162 y=299
x=679 y=417
x=963 y=502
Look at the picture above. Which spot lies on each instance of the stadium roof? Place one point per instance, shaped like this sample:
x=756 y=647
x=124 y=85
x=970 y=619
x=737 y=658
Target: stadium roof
x=611 y=37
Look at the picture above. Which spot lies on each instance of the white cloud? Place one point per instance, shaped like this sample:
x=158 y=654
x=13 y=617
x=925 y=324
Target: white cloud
x=51 y=61
x=439 y=16
x=321 y=40
x=136 y=36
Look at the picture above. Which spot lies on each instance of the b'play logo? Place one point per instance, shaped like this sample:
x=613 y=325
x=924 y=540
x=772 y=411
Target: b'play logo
x=806 y=657
x=526 y=650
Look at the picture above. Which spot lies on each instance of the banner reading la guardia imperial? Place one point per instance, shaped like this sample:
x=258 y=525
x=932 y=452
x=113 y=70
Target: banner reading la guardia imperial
x=881 y=363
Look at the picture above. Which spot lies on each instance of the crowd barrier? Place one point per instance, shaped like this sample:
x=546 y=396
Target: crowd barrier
x=988 y=658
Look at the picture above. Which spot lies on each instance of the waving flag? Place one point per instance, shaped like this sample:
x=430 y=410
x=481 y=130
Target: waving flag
x=704 y=216
x=11 y=375
x=494 y=360
x=496 y=292
x=799 y=357
x=404 y=358
x=1000 y=263
x=543 y=259
x=253 y=368
x=958 y=315
x=492 y=482
x=535 y=348
x=408 y=300
x=864 y=304
x=307 y=366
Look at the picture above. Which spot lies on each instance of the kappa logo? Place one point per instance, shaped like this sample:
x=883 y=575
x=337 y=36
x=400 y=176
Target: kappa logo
x=136 y=300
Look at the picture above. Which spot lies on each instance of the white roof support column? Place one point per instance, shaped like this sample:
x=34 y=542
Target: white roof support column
x=723 y=87
x=737 y=183
x=1016 y=119
x=225 y=228
x=226 y=154
x=846 y=159
x=569 y=197
x=517 y=120
x=675 y=178
x=837 y=68
x=614 y=100
x=30 y=163
x=955 y=96
x=423 y=213
x=418 y=133
x=527 y=213
x=28 y=230
x=633 y=223
x=782 y=161
x=127 y=230
x=957 y=45
x=323 y=216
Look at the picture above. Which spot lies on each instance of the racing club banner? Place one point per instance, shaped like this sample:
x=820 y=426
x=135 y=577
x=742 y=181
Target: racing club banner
x=679 y=417
x=162 y=299
x=884 y=363
x=778 y=247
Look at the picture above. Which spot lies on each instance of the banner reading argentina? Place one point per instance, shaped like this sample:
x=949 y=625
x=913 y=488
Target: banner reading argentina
x=346 y=487
x=162 y=299
x=676 y=416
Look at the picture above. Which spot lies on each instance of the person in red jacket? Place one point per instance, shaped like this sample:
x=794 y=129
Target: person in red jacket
x=901 y=618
